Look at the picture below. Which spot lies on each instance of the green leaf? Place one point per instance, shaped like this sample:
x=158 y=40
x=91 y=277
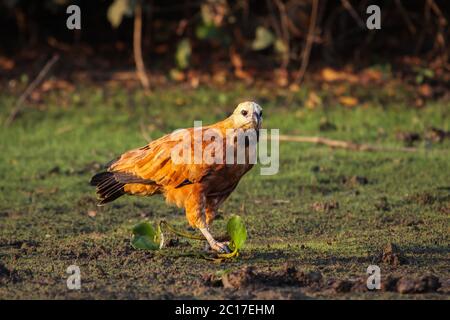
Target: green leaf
x=145 y=237
x=204 y=32
x=183 y=54
x=117 y=10
x=207 y=12
x=237 y=231
x=263 y=39
x=280 y=46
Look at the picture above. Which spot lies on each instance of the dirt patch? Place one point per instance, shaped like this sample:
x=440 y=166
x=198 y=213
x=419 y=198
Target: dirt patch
x=409 y=284
x=418 y=285
x=392 y=255
x=250 y=277
x=445 y=286
x=340 y=286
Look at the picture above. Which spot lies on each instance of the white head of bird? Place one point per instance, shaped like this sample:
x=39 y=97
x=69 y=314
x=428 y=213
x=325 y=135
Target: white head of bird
x=247 y=115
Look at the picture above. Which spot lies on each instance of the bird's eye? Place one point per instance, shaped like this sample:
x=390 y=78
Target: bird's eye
x=244 y=112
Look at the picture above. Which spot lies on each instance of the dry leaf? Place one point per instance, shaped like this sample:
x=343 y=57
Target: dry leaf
x=220 y=77
x=370 y=75
x=331 y=75
x=194 y=79
x=281 y=77
x=236 y=59
x=6 y=64
x=57 y=84
x=238 y=64
x=313 y=100
x=294 y=87
x=177 y=75
x=425 y=90
x=348 y=101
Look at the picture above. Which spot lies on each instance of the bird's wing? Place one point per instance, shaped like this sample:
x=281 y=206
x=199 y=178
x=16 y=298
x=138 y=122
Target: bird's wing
x=154 y=163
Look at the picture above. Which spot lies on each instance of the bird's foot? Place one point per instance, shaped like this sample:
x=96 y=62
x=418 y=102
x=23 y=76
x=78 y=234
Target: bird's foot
x=220 y=247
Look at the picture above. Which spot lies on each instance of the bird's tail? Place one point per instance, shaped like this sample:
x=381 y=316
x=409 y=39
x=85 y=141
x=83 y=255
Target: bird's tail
x=108 y=188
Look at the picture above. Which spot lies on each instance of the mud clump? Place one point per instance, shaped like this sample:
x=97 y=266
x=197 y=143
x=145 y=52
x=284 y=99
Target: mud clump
x=341 y=286
x=291 y=275
x=410 y=285
x=445 y=286
x=392 y=255
x=424 y=284
x=240 y=278
x=389 y=284
x=310 y=279
x=210 y=280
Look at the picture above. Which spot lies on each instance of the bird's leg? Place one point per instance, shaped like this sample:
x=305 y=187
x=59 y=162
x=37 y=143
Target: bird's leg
x=214 y=244
x=195 y=205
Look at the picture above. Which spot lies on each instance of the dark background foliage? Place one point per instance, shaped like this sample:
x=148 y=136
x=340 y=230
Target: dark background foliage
x=224 y=34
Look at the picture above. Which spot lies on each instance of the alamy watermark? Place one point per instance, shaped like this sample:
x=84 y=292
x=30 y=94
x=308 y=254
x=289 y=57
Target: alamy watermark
x=374 y=20
x=74 y=280
x=74 y=20
x=374 y=279
x=210 y=145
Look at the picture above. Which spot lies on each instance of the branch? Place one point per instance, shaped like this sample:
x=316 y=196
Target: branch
x=36 y=82
x=309 y=40
x=137 y=46
x=348 y=6
x=342 y=144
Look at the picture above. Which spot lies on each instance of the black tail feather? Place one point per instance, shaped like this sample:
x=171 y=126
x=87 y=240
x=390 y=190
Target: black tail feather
x=108 y=188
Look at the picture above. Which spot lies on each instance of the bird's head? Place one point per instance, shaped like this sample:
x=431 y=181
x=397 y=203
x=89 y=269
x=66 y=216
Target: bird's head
x=247 y=115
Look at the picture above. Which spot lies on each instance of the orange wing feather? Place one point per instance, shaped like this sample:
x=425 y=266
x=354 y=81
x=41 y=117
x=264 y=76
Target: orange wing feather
x=150 y=169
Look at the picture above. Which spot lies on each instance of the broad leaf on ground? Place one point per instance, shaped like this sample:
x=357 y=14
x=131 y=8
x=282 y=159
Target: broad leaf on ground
x=145 y=237
x=237 y=231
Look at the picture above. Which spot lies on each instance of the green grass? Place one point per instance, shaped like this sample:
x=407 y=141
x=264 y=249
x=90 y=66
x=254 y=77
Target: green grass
x=49 y=154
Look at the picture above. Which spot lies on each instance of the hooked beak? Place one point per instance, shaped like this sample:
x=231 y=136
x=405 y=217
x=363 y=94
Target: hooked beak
x=257 y=120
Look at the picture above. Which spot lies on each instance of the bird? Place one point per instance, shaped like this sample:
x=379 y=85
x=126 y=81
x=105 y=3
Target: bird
x=170 y=166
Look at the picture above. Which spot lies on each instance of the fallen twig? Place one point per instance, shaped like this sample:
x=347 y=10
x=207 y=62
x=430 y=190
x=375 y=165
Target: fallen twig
x=343 y=144
x=36 y=82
